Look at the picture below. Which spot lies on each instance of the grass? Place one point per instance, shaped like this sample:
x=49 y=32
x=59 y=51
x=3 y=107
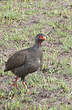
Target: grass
x=2 y=93
x=20 y=21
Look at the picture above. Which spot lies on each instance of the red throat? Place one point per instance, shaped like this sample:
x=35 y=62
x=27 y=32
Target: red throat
x=39 y=43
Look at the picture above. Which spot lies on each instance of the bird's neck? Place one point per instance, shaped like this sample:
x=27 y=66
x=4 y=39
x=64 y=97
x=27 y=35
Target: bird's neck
x=37 y=45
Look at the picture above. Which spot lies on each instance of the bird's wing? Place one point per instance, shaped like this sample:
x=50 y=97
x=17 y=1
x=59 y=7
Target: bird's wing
x=16 y=60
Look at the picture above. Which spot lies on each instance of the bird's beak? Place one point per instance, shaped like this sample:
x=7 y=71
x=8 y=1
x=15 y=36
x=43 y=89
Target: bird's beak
x=44 y=37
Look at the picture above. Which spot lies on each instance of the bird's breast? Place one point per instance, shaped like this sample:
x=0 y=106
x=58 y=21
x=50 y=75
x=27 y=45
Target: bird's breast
x=32 y=65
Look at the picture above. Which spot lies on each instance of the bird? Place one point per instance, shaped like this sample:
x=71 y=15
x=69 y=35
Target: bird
x=26 y=61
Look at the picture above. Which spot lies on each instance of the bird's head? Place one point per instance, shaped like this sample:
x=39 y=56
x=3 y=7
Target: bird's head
x=40 y=38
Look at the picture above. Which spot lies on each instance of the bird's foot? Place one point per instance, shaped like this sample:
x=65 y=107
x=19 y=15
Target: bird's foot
x=28 y=92
x=15 y=82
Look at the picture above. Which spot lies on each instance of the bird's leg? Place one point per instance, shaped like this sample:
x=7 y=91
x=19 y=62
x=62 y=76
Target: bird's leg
x=25 y=86
x=15 y=82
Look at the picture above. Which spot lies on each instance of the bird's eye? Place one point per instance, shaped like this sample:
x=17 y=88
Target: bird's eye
x=40 y=37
